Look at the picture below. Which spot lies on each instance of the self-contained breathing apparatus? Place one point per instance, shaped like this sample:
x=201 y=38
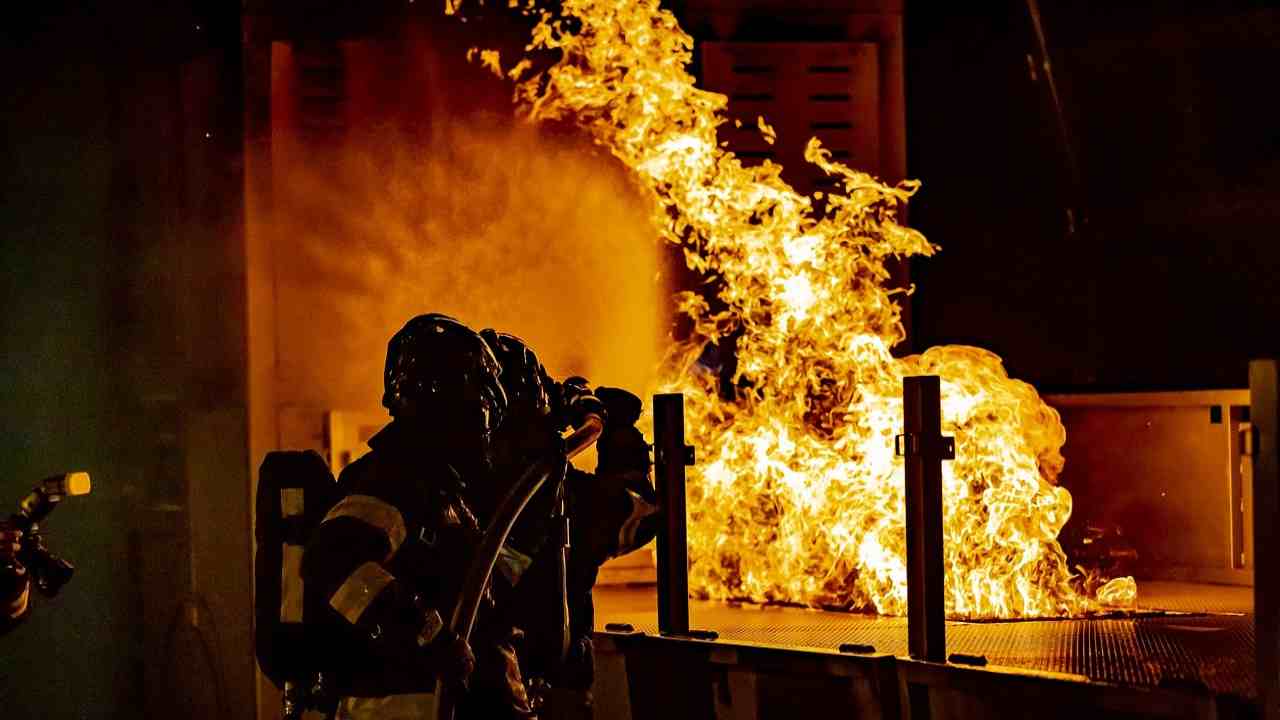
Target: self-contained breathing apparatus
x=295 y=490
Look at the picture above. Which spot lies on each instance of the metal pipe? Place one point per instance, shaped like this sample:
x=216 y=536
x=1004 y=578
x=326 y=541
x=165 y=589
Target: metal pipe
x=463 y=619
x=1076 y=204
x=1059 y=115
x=671 y=456
x=1264 y=417
x=923 y=449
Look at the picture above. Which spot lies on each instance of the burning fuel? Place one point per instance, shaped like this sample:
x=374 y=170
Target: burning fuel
x=798 y=496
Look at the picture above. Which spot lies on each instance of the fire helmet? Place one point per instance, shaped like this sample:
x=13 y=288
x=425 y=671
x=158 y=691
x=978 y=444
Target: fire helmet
x=441 y=371
x=524 y=378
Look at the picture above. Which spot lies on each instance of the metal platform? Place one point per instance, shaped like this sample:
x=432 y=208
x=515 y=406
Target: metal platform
x=1206 y=643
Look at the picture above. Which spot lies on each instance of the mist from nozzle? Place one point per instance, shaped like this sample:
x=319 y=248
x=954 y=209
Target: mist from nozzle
x=492 y=222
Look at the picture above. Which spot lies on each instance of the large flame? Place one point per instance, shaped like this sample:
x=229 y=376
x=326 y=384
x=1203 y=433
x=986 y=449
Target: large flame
x=798 y=496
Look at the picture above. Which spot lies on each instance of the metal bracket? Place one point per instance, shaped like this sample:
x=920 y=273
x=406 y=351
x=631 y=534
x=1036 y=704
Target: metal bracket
x=1248 y=439
x=857 y=649
x=687 y=459
x=916 y=445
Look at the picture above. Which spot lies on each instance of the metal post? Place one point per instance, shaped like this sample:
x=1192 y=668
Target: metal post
x=1264 y=415
x=923 y=449
x=671 y=456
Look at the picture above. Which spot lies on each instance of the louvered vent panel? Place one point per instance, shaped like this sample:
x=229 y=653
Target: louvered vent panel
x=828 y=90
x=321 y=83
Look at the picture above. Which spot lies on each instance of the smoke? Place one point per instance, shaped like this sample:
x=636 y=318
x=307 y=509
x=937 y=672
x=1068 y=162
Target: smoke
x=498 y=224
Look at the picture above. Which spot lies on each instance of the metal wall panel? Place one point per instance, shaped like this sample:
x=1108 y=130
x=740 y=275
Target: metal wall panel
x=1165 y=469
x=826 y=90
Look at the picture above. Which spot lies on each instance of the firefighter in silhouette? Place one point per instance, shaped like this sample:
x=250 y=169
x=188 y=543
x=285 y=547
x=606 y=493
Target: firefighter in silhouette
x=538 y=410
x=384 y=566
x=611 y=512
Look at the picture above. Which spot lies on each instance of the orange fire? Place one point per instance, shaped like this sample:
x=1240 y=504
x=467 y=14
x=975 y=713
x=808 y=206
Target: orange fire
x=798 y=495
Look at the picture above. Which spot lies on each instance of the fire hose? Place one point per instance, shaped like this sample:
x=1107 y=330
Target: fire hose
x=463 y=619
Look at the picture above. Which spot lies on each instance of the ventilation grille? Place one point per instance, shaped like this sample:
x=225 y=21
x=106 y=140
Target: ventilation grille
x=827 y=90
x=320 y=83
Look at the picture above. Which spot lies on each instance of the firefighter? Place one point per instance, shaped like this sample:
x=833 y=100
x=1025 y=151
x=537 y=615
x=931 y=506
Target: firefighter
x=538 y=409
x=15 y=581
x=384 y=566
x=612 y=511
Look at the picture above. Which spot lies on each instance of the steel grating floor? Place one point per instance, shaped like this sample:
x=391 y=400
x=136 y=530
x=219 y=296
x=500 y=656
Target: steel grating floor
x=1213 y=648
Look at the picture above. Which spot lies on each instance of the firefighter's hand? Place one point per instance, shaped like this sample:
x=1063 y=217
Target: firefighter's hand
x=453 y=659
x=624 y=407
x=10 y=542
x=622 y=448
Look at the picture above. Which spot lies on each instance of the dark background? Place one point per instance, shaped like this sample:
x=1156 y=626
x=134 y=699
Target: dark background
x=122 y=195
x=1171 y=283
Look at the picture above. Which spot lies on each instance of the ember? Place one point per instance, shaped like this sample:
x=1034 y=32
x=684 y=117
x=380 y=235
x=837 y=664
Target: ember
x=799 y=496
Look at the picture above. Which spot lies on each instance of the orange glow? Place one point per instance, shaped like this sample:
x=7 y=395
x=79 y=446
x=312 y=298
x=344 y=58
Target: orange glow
x=387 y=219
x=798 y=495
